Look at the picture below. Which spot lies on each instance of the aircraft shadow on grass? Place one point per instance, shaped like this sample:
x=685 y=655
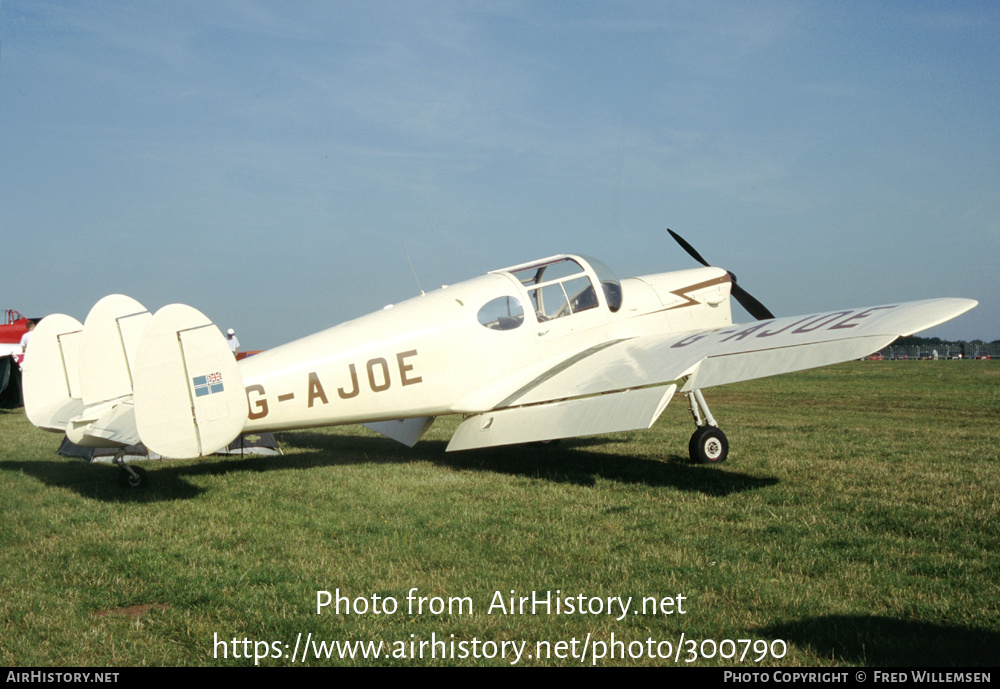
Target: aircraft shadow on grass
x=92 y=481
x=565 y=463
x=569 y=463
x=887 y=641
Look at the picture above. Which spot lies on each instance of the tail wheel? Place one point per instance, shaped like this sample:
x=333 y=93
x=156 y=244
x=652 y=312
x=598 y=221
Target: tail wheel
x=126 y=479
x=708 y=445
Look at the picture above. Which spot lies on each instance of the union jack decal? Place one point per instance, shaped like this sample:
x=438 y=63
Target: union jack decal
x=207 y=385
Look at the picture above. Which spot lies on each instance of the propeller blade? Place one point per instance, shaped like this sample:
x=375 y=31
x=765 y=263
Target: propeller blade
x=688 y=248
x=745 y=299
x=753 y=307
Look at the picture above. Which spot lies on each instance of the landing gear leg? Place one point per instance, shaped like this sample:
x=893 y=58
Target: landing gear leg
x=708 y=444
x=130 y=477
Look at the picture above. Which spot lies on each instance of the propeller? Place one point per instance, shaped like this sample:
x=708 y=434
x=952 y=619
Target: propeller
x=745 y=299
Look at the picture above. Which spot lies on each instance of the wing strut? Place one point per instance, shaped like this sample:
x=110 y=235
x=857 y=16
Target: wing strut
x=699 y=405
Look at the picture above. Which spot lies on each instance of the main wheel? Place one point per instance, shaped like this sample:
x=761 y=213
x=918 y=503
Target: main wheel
x=127 y=480
x=708 y=445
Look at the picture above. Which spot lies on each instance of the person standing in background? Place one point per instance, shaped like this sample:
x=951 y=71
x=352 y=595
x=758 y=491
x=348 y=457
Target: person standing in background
x=234 y=344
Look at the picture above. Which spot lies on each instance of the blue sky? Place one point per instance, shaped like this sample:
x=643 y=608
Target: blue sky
x=266 y=161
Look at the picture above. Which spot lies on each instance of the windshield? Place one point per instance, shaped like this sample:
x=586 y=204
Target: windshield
x=562 y=286
x=610 y=284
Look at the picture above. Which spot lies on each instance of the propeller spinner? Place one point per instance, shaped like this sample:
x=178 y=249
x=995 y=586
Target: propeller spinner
x=745 y=299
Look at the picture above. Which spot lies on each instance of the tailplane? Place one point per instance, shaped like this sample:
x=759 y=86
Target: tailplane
x=125 y=376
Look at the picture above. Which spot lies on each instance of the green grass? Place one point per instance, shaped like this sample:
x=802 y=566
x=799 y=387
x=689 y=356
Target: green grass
x=856 y=520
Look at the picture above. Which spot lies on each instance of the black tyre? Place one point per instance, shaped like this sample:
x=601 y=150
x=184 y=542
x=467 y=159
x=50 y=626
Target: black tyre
x=127 y=480
x=708 y=445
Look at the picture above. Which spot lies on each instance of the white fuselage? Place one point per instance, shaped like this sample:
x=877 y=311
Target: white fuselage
x=431 y=355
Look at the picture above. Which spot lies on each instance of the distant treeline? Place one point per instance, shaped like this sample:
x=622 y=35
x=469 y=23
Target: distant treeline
x=918 y=341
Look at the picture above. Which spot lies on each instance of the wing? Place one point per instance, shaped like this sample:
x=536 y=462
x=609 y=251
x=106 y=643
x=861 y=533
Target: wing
x=598 y=390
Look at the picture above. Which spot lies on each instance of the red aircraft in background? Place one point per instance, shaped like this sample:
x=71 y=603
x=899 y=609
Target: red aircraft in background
x=12 y=329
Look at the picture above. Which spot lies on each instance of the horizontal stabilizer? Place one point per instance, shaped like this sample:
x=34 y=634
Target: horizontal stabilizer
x=104 y=425
x=189 y=396
x=628 y=410
x=51 y=373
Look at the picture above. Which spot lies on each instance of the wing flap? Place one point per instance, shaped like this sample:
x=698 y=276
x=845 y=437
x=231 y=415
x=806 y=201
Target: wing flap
x=628 y=410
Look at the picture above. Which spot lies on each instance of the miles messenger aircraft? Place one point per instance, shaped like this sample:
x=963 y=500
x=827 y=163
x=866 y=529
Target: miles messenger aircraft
x=551 y=349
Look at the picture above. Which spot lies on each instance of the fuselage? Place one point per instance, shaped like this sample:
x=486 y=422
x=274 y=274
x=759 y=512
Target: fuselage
x=463 y=348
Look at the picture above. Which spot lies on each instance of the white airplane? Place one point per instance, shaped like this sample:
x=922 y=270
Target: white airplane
x=556 y=348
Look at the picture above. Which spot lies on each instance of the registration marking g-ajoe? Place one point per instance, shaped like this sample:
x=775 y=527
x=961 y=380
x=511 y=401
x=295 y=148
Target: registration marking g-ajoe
x=379 y=378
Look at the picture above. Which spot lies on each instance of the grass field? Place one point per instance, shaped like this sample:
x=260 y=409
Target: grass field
x=856 y=521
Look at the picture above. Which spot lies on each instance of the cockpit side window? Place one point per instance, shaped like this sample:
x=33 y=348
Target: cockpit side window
x=555 y=300
x=549 y=301
x=581 y=294
x=502 y=313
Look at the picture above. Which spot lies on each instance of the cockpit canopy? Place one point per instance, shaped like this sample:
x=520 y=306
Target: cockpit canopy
x=556 y=287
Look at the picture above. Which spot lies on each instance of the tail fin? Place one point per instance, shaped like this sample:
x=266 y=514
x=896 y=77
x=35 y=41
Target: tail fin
x=189 y=396
x=107 y=348
x=105 y=357
x=51 y=373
